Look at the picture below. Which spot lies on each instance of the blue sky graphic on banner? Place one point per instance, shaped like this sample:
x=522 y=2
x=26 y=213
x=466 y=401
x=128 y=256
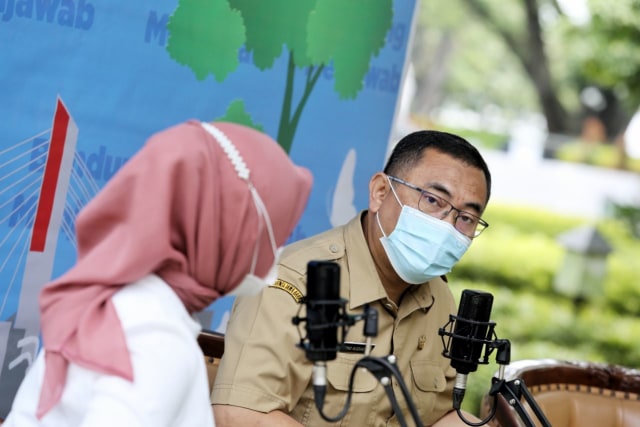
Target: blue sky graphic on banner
x=84 y=83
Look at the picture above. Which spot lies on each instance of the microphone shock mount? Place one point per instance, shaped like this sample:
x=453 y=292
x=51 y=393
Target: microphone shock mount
x=513 y=391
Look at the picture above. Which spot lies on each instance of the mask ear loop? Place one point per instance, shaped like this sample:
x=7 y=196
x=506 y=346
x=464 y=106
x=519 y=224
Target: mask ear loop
x=397 y=200
x=379 y=224
x=393 y=190
x=262 y=210
x=243 y=172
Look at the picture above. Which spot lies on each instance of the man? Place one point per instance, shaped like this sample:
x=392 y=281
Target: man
x=424 y=210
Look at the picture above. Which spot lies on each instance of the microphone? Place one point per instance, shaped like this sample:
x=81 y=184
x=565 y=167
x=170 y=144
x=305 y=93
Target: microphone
x=471 y=332
x=326 y=314
x=323 y=318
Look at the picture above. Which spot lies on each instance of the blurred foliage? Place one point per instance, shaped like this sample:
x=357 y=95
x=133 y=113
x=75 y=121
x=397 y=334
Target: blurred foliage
x=596 y=154
x=516 y=259
x=608 y=52
x=628 y=214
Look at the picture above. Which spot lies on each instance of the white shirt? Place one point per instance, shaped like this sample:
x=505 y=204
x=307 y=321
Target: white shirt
x=170 y=381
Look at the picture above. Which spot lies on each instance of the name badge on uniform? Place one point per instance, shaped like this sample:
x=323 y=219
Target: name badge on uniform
x=355 y=347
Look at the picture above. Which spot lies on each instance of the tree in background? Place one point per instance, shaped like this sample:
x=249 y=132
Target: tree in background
x=315 y=34
x=526 y=43
x=459 y=62
x=513 y=53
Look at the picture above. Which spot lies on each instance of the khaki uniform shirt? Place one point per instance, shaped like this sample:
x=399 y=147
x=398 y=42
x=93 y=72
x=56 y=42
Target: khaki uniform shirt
x=264 y=370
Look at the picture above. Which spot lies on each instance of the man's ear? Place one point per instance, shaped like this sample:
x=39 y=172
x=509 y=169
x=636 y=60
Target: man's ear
x=379 y=188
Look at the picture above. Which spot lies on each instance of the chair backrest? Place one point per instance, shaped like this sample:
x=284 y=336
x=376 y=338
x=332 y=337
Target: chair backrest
x=212 y=346
x=573 y=394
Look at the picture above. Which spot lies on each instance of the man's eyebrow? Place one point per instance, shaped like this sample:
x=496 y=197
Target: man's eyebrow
x=439 y=188
x=474 y=206
x=442 y=189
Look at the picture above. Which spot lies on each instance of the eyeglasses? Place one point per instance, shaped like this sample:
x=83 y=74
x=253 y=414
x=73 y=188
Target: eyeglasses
x=434 y=205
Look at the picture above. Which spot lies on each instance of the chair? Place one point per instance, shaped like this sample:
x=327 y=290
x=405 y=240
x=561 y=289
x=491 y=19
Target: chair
x=212 y=346
x=572 y=394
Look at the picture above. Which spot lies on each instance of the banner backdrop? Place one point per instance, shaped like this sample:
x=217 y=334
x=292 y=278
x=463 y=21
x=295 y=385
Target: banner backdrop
x=84 y=83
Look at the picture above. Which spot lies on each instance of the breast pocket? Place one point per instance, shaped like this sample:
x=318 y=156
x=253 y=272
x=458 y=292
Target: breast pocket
x=339 y=373
x=428 y=379
x=364 y=393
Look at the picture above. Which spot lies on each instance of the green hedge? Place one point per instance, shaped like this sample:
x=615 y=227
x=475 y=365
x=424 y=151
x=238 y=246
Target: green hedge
x=596 y=154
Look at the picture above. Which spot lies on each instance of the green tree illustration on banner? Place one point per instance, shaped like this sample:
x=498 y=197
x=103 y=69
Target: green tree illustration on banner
x=206 y=36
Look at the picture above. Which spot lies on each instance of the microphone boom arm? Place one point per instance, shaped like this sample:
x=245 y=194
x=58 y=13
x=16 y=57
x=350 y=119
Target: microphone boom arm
x=513 y=391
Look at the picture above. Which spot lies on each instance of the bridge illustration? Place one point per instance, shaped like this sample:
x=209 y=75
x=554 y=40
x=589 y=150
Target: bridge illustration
x=43 y=184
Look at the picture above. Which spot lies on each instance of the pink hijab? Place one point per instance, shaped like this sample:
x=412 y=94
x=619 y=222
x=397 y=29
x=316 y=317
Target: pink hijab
x=177 y=209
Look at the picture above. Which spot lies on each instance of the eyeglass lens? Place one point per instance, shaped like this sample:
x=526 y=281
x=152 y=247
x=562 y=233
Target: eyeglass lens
x=437 y=206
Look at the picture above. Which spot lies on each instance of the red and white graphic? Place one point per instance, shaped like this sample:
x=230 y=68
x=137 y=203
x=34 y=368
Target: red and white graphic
x=49 y=183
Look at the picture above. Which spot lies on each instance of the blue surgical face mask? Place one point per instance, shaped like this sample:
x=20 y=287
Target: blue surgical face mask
x=422 y=247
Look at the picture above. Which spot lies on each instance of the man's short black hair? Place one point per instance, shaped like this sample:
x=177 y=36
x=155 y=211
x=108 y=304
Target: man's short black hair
x=408 y=152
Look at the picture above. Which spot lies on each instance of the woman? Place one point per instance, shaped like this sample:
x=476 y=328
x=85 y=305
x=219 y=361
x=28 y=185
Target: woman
x=198 y=210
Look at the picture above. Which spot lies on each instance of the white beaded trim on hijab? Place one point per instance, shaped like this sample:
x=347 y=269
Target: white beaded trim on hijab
x=230 y=150
x=243 y=172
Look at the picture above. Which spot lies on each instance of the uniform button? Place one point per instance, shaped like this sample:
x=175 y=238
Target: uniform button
x=333 y=248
